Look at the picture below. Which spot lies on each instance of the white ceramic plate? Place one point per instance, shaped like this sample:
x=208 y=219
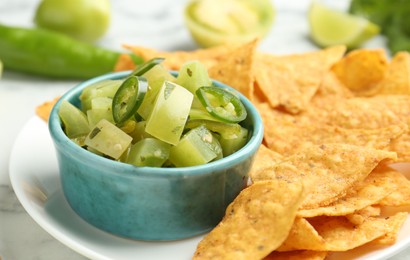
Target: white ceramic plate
x=35 y=179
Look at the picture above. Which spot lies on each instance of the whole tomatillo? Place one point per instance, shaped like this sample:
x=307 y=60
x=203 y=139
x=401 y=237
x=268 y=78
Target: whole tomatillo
x=86 y=20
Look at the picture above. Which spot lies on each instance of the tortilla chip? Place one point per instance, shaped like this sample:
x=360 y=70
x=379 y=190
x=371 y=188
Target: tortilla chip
x=297 y=255
x=255 y=224
x=302 y=235
x=263 y=158
x=369 y=113
x=124 y=62
x=290 y=81
x=361 y=70
x=328 y=171
x=361 y=215
x=175 y=59
x=341 y=235
x=290 y=137
x=401 y=195
x=236 y=70
x=44 y=110
x=395 y=225
x=374 y=188
x=397 y=78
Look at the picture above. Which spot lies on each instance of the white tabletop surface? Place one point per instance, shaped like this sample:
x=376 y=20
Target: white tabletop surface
x=157 y=24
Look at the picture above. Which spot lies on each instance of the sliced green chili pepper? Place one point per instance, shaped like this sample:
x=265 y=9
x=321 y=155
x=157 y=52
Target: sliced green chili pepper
x=48 y=53
x=222 y=104
x=128 y=98
x=146 y=66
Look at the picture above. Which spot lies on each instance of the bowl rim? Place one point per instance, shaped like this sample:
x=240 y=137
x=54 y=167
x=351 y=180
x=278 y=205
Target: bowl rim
x=65 y=145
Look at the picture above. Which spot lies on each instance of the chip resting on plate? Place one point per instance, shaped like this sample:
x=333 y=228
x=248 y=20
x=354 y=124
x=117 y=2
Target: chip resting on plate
x=255 y=223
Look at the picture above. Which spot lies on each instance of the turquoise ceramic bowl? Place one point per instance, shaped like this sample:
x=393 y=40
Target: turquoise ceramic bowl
x=147 y=203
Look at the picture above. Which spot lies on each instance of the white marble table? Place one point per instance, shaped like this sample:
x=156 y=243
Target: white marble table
x=156 y=24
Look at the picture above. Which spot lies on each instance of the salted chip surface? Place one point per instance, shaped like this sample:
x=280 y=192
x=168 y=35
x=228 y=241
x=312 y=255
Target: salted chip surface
x=255 y=223
x=44 y=110
x=283 y=134
x=263 y=158
x=297 y=255
x=236 y=70
x=361 y=215
x=360 y=112
x=327 y=171
x=341 y=235
x=361 y=70
x=401 y=195
x=290 y=81
x=302 y=235
x=175 y=59
x=397 y=78
x=375 y=187
x=395 y=225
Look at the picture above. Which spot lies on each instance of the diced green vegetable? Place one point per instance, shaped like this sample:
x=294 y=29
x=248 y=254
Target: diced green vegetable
x=226 y=130
x=149 y=152
x=74 y=120
x=105 y=88
x=139 y=132
x=95 y=115
x=108 y=139
x=169 y=113
x=231 y=145
x=196 y=147
x=193 y=75
x=101 y=103
x=155 y=77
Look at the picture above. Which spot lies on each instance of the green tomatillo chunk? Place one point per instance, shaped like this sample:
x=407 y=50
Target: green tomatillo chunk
x=149 y=152
x=108 y=139
x=169 y=113
x=198 y=146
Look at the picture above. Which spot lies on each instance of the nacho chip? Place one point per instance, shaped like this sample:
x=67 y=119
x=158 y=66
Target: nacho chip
x=297 y=255
x=401 y=195
x=341 y=235
x=370 y=113
x=361 y=70
x=263 y=158
x=124 y=62
x=175 y=59
x=395 y=225
x=290 y=81
x=290 y=137
x=374 y=188
x=236 y=70
x=397 y=78
x=302 y=235
x=327 y=171
x=44 y=110
x=255 y=224
x=360 y=216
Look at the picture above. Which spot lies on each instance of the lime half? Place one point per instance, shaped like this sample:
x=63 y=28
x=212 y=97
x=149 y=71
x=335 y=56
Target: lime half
x=215 y=22
x=333 y=27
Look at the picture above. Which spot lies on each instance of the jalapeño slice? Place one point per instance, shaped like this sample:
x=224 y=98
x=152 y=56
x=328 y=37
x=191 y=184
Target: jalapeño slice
x=222 y=104
x=146 y=66
x=128 y=98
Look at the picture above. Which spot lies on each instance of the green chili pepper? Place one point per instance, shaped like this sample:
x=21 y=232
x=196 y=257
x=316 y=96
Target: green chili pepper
x=146 y=66
x=222 y=104
x=128 y=98
x=47 y=53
